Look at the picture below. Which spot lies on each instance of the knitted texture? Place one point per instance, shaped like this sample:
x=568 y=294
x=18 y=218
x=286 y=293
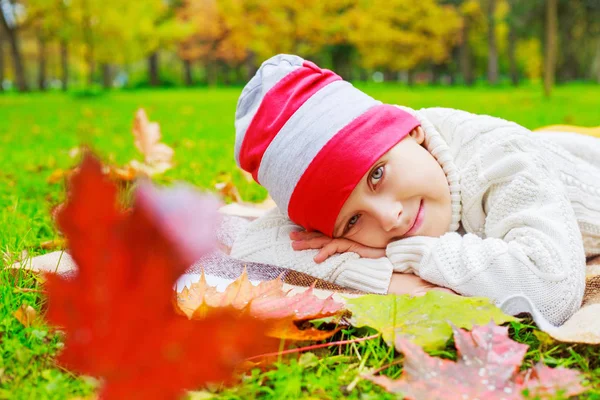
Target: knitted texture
x=267 y=239
x=528 y=208
x=295 y=125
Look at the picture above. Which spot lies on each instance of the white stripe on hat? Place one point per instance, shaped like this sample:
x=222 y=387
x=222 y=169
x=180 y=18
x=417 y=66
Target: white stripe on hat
x=307 y=131
x=268 y=75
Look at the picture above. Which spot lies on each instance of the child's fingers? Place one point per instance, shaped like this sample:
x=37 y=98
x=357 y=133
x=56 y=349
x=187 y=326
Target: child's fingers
x=315 y=243
x=304 y=235
x=335 y=246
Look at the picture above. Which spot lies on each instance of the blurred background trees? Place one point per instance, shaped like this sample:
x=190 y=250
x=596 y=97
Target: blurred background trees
x=87 y=43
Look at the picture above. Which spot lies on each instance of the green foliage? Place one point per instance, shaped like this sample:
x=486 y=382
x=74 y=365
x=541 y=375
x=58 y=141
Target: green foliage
x=424 y=320
x=37 y=132
x=27 y=368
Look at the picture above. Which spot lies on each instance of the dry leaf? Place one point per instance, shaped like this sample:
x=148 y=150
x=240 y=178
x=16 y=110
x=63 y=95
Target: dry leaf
x=228 y=191
x=157 y=156
x=26 y=315
x=266 y=301
x=116 y=311
x=487 y=368
x=58 y=175
x=54 y=244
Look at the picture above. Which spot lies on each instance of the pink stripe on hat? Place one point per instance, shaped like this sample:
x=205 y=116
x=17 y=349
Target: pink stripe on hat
x=278 y=105
x=311 y=137
x=340 y=165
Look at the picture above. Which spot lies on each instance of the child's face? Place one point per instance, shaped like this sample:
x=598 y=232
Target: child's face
x=385 y=204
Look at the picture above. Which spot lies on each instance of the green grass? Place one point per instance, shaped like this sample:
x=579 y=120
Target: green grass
x=38 y=130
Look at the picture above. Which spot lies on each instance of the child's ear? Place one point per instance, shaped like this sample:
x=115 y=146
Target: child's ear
x=418 y=134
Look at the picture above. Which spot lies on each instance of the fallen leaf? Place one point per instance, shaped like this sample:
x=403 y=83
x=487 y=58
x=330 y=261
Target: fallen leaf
x=53 y=244
x=157 y=156
x=424 y=320
x=267 y=301
x=116 y=311
x=26 y=315
x=122 y=175
x=487 y=368
x=228 y=191
x=58 y=175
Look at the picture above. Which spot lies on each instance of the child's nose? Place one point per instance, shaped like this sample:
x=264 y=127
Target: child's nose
x=389 y=216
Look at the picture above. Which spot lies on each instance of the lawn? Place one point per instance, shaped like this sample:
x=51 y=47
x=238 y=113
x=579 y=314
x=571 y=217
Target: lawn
x=38 y=130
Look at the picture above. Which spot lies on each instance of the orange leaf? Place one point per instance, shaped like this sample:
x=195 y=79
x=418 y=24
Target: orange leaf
x=53 y=244
x=228 y=191
x=116 y=312
x=265 y=301
x=58 y=175
x=26 y=315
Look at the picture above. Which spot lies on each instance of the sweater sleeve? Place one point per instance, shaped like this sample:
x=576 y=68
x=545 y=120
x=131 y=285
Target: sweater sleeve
x=266 y=240
x=527 y=255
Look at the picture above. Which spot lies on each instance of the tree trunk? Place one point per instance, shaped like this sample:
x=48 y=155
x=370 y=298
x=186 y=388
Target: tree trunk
x=1 y=60
x=88 y=40
x=187 y=73
x=466 y=66
x=15 y=50
x=106 y=76
x=551 y=42
x=410 y=75
x=42 y=81
x=154 y=79
x=240 y=76
x=250 y=65
x=64 y=62
x=211 y=73
x=596 y=63
x=341 y=58
x=512 y=59
x=492 y=45
x=90 y=63
x=225 y=73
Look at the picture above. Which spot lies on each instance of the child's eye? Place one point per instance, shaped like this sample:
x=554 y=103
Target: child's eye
x=352 y=221
x=376 y=175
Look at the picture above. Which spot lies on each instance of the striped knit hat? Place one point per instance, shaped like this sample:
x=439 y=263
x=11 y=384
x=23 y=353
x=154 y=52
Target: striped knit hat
x=308 y=137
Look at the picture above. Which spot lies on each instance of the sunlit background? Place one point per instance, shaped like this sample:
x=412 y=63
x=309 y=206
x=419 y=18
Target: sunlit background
x=61 y=44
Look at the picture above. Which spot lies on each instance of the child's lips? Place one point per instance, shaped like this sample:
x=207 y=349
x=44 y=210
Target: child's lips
x=418 y=220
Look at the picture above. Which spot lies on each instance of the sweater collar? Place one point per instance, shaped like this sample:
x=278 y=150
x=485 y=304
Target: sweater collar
x=437 y=146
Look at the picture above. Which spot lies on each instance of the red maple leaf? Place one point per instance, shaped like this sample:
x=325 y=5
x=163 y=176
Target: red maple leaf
x=487 y=368
x=117 y=312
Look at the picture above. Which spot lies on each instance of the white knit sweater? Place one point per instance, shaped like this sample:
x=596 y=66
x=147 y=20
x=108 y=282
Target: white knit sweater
x=525 y=213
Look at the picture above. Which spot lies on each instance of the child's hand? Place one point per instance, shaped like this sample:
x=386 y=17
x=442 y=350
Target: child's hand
x=316 y=240
x=404 y=283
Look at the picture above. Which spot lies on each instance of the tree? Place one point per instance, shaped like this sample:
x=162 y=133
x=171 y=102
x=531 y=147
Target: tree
x=166 y=31
x=9 y=23
x=1 y=60
x=401 y=34
x=551 y=45
x=492 y=71
x=470 y=12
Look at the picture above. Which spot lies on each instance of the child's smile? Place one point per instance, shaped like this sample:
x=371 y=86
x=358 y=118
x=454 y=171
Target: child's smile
x=404 y=194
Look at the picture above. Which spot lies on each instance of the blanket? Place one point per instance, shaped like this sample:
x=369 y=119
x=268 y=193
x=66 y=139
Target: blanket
x=221 y=269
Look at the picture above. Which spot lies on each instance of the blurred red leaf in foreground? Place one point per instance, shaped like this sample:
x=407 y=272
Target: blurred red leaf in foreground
x=487 y=368
x=267 y=301
x=117 y=312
